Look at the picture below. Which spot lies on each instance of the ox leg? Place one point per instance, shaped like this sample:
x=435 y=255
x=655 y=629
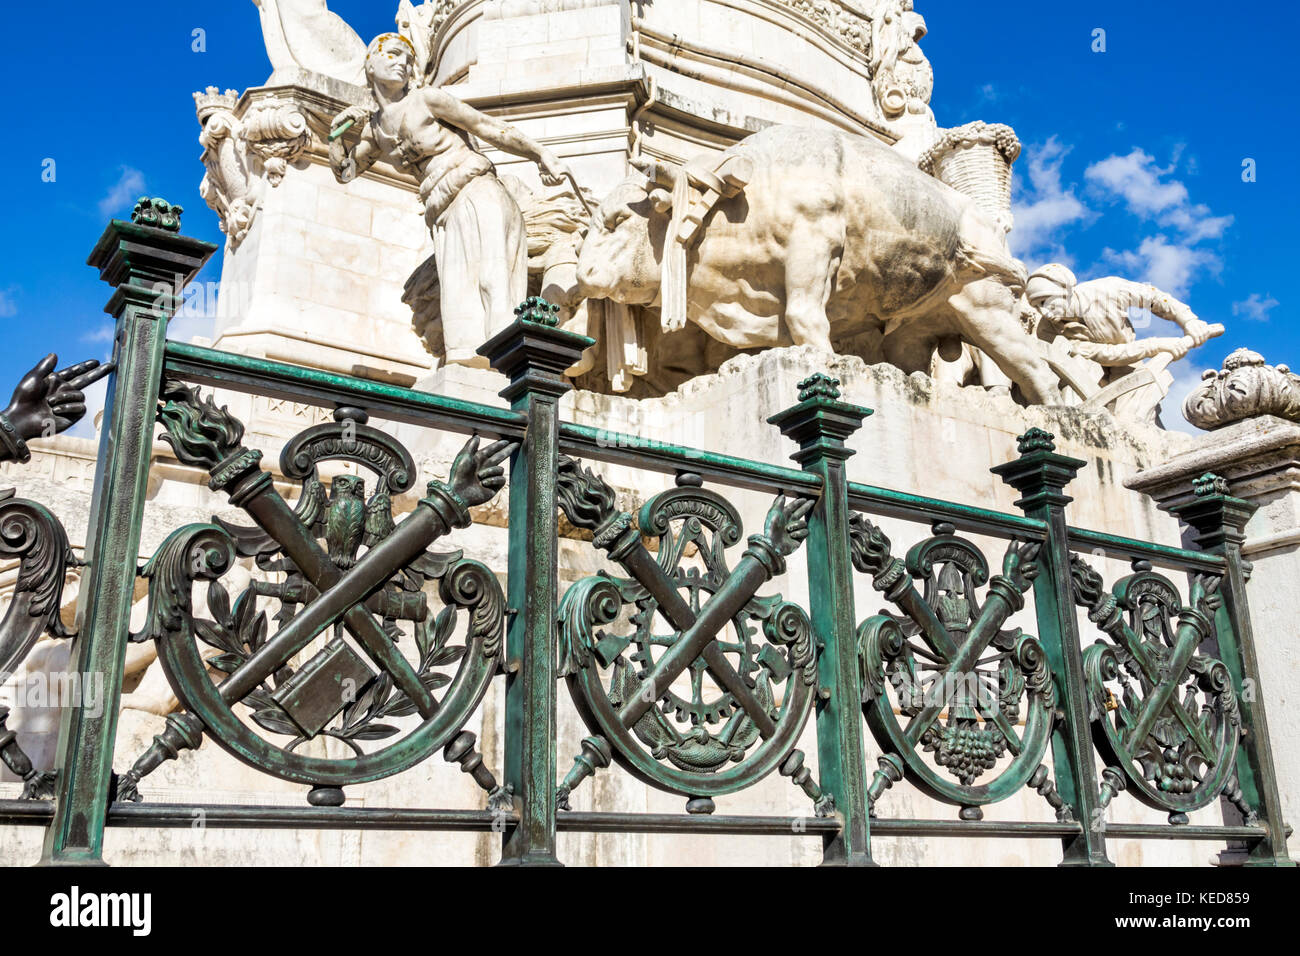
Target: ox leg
x=812 y=261
x=986 y=316
x=911 y=346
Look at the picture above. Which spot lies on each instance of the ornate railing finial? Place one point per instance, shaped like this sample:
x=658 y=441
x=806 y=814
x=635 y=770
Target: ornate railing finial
x=538 y=310
x=158 y=213
x=1035 y=440
x=1209 y=484
x=819 y=385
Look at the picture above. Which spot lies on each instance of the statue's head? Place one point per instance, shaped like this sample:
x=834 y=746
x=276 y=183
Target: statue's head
x=1048 y=287
x=389 y=61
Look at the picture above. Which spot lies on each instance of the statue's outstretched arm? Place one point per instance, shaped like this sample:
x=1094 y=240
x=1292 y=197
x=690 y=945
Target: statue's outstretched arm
x=491 y=130
x=1129 y=353
x=1166 y=306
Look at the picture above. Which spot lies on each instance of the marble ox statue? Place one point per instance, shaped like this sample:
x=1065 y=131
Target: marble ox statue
x=798 y=236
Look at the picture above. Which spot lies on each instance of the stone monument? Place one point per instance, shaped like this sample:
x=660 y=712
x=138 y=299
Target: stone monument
x=386 y=206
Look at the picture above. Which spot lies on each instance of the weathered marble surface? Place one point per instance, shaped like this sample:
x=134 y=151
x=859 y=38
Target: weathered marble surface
x=305 y=34
x=479 y=238
x=796 y=235
x=1095 y=346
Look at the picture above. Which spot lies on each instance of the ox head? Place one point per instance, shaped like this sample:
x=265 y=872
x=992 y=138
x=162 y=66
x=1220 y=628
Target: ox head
x=621 y=254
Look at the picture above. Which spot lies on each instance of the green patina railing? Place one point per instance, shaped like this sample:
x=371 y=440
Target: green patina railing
x=1164 y=707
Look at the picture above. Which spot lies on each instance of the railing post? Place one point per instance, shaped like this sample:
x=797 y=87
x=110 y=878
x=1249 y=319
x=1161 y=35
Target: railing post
x=819 y=424
x=533 y=355
x=149 y=264
x=1218 y=524
x=1040 y=475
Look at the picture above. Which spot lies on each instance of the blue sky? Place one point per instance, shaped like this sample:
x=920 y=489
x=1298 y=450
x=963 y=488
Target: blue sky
x=1133 y=161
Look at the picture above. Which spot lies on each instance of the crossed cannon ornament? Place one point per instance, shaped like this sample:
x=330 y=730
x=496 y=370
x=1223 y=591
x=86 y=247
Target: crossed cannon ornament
x=748 y=659
x=945 y=684
x=1177 y=752
x=336 y=692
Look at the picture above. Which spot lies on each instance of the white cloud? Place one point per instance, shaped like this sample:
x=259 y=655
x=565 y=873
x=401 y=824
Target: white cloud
x=1151 y=193
x=1044 y=208
x=100 y=335
x=122 y=195
x=1174 y=259
x=1187 y=375
x=1137 y=179
x=1170 y=266
x=8 y=307
x=1255 y=308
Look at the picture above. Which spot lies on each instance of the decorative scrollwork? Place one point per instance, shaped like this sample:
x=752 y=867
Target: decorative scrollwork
x=29 y=532
x=347 y=567
x=1163 y=713
x=45 y=402
x=944 y=678
x=747 y=660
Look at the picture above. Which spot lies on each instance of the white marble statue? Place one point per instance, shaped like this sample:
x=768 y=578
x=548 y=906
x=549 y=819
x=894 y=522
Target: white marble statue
x=803 y=236
x=306 y=35
x=1094 y=316
x=245 y=155
x=1092 y=320
x=480 y=241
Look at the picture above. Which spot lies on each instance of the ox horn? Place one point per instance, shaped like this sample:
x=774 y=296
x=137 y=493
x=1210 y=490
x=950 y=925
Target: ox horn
x=661 y=174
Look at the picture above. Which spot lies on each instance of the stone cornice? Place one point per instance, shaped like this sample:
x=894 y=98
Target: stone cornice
x=661 y=48
x=1257 y=456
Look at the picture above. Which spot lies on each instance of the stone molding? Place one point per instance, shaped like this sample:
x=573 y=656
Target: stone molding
x=1258 y=457
x=736 y=70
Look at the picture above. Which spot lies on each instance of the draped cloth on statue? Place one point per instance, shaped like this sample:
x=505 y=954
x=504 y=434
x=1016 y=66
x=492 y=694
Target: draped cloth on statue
x=481 y=250
x=306 y=34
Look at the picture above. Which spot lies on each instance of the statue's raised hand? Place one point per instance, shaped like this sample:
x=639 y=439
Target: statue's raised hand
x=1201 y=331
x=1021 y=563
x=786 y=523
x=47 y=402
x=476 y=474
x=552 y=171
x=358 y=116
